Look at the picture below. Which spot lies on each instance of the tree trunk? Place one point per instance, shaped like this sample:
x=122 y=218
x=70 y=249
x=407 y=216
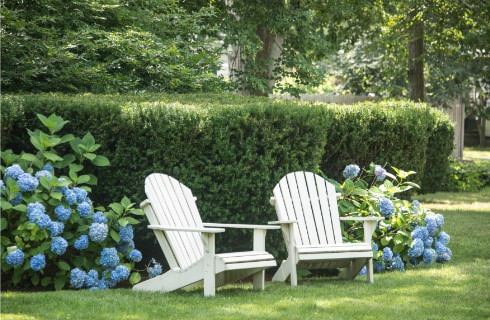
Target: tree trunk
x=481 y=130
x=266 y=59
x=416 y=60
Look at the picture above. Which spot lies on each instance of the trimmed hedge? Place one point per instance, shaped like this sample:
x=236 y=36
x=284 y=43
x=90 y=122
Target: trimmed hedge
x=231 y=150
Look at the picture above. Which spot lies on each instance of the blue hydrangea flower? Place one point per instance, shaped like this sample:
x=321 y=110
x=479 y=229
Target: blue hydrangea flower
x=100 y=285
x=99 y=217
x=81 y=243
x=363 y=271
x=351 y=171
x=154 y=269
x=125 y=246
x=379 y=172
x=56 y=228
x=135 y=255
x=77 y=278
x=70 y=196
x=428 y=242
x=38 y=262
x=2 y=185
x=375 y=247
x=440 y=247
x=444 y=256
x=62 y=213
x=98 y=232
x=429 y=256
x=27 y=182
x=15 y=258
x=415 y=206
x=431 y=223
x=92 y=279
x=397 y=263
x=439 y=220
x=84 y=209
x=420 y=233
x=106 y=277
x=58 y=245
x=34 y=210
x=109 y=257
x=126 y=233
x=43 y=173
x=14 y=171
x=444 y=238
x=43 y=221
x=48 y=167
x=416 y=248
x=386 y=207
x=81 y=194
x=120 y=273
x=18 y=199
x=379 y=266
x=387 y=254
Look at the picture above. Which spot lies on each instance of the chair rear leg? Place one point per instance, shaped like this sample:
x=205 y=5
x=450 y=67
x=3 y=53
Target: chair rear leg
x=370 y=275
x=283 y=272
x=259 y=280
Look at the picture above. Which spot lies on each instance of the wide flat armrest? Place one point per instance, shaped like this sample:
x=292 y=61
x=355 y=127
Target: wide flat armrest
x=371 y=218
x=186 y=229
x=240 y=226
x=144 y=203
x=283 y=222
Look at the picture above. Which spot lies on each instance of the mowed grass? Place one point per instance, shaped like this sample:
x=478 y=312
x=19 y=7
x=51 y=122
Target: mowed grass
x=457 y=290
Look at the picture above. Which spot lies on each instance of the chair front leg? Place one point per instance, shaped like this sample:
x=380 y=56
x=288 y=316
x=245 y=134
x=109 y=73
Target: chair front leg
x=209 y=264
x=369 y=228
x=259 y=245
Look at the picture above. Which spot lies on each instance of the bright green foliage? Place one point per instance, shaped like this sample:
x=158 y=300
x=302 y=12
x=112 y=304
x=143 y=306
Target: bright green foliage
x=107 y=46
x=230 y=150
x=451 y=292
x=72 y=158
x=468 y=175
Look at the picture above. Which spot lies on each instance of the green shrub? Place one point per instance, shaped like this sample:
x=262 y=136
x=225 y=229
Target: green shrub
x=230 y=150
x=468 y=176
x=439 y=148
x=52 y=234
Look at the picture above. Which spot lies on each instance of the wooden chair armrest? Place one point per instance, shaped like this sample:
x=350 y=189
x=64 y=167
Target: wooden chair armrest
x=283 y=222
x=370 y=218
x=186 y=229
x=240 y=226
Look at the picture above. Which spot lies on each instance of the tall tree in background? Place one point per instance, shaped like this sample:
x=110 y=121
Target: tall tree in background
x=283 y=39
x=443 y=44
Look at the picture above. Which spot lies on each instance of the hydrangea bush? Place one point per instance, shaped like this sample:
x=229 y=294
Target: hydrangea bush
x=52 y=234
x=409 y=234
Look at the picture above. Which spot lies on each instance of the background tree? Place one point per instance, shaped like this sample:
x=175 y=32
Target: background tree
x=107 y=46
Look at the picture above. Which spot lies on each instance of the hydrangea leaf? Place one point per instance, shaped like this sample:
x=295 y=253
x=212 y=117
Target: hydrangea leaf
x=3 y=224
x=20 y=208
x=5 y=205
x=83 y=179
x=52 y=156
x=114 y=235
x=59 y=282
x=63 y=265
x=46 y=281
x=101 y=161
x=134 y=278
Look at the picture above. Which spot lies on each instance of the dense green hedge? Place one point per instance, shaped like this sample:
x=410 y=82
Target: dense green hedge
x=231 y=150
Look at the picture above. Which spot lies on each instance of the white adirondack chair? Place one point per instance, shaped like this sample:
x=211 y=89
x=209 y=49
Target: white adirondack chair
x=306 y=207
x=189 y=244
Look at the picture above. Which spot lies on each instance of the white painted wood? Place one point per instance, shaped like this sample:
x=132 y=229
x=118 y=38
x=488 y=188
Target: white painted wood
x=189 y=245
x=209 y=265
x=314 y=200
x=240 y=226
x=185 y=229
x=153 y=189
x=325 y=209
x=370 y=275
x=317 y=241
x=161 y=238
x=334 y=212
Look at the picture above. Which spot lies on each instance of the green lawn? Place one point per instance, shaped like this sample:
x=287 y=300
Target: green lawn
x=458 y=290
x=476 y=153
